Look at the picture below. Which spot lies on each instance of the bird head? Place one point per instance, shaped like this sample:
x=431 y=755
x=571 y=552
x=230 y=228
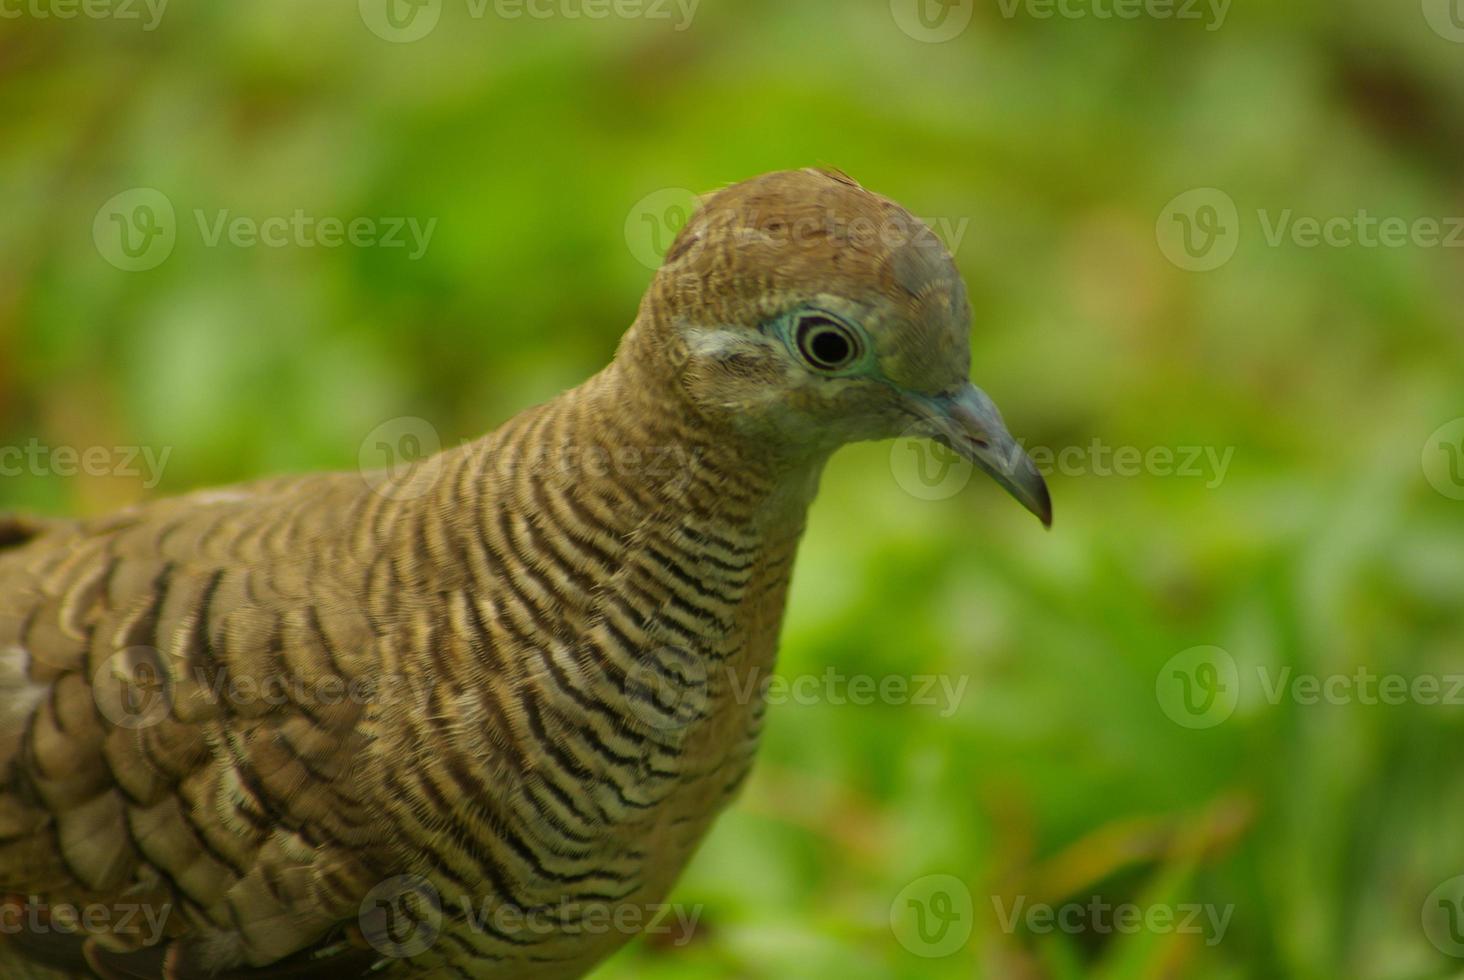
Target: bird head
x=805 y=312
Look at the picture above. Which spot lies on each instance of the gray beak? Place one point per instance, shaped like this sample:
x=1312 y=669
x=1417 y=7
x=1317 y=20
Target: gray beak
x=967 y=422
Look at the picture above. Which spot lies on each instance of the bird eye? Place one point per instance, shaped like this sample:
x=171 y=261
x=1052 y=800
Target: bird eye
x=827 y=344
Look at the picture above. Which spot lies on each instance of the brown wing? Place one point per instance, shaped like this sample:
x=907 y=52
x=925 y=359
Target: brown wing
x=43 y=952
x=183 y=729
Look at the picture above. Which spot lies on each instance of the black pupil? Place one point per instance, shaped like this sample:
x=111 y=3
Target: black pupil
x=826 y=344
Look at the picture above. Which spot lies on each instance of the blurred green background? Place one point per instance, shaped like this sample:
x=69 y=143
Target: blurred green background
x=1048 y=151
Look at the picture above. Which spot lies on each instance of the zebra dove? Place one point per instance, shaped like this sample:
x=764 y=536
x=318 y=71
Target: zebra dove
x=468 y=717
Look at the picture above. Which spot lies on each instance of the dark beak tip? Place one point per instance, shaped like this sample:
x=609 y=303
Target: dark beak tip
x=1043 y=510
x=1034 y=496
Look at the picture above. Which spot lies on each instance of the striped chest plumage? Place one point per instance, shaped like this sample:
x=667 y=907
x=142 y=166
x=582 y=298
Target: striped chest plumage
x=592 y=630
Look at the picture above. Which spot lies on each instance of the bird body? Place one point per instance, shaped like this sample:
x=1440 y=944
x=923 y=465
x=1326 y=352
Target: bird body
x=468 y=718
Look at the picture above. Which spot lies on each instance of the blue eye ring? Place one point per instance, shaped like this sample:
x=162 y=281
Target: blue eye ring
x=825 y=342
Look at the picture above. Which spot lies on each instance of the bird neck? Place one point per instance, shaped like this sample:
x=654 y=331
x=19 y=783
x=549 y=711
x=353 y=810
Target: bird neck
x=639 y=401
x=621 y=460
